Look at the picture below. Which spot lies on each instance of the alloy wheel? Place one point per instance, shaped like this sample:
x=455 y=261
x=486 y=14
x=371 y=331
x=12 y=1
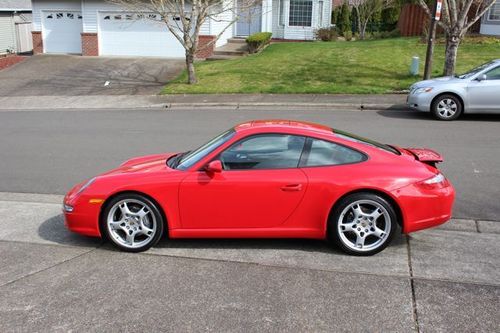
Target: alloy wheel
x=447 y=108
x=364 y=225
x=131 y=223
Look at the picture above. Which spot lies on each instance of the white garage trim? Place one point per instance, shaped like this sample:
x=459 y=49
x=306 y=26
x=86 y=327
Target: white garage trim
x=59 y=39
x=122 y=34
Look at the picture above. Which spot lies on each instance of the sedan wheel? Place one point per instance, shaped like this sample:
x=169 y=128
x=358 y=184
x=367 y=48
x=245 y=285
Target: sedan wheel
x=446 y=107
x=132 y=223
x=364 y=224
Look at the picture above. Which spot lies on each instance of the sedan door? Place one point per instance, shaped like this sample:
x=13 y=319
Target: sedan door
x=260 y=186
x=484 y=94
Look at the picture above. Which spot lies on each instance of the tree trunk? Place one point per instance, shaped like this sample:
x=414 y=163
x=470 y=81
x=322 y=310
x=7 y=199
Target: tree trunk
x=452 y=43
x=362 y=31
x=361 y=34
x=190 y=68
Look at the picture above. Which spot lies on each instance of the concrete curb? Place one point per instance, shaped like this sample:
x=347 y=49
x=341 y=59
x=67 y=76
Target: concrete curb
x=30 y=103
x=337 y=106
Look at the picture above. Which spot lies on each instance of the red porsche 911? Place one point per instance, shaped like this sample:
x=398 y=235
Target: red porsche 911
x=267 y=179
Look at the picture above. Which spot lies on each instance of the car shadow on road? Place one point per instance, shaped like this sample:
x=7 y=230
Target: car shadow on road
x=304 y=245
x=417 y=115
x=54 y=231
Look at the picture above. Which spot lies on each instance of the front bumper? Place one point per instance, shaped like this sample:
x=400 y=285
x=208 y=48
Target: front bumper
x=420 y=102
x=425 y=208
x=81 y=214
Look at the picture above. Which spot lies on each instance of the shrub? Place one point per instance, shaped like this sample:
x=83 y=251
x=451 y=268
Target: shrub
x=326 y=34
x=344 y=23
x=258 y=41
x=348 y=35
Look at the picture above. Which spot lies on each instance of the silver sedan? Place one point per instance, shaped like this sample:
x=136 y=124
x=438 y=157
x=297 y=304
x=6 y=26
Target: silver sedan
x=477 y=91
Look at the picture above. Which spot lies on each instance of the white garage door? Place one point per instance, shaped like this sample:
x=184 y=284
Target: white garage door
x=130 y=34
x=62 y=31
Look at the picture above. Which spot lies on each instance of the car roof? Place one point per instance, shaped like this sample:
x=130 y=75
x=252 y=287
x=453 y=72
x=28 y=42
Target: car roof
x=270 y=124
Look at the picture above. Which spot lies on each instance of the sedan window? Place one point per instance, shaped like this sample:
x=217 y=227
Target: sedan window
x=268 y=151
x=323 y=153
x=493 y=74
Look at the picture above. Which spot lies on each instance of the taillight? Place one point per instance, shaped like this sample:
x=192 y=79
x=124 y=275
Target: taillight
x=435 y=182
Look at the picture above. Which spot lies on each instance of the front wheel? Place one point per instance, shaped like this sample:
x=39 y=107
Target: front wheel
x=132 y=222
x=446 y=107
x=362 y=224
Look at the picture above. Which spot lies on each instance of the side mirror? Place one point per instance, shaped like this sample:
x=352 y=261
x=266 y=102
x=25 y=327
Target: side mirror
x=214 y=167
x=482 y=77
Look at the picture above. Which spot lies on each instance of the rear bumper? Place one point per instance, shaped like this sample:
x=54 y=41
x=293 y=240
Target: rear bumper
x=425 y=208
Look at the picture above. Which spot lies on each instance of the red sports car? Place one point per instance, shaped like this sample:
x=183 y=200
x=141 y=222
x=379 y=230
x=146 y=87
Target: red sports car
x=267 y=179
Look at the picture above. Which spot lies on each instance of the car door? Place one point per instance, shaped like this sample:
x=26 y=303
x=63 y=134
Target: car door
x=260 y=185
x=484 y=94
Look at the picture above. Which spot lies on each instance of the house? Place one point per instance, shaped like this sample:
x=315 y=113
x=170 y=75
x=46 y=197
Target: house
x=490 y=22
x=97 y=27
x=15 y=26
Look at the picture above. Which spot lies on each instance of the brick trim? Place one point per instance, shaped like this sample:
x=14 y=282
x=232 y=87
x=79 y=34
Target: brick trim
x=203 y=51
x=90 y=44
x=37 y=42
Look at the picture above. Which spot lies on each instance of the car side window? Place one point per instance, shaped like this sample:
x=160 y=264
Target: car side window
x=264 y=151
x=494 y=74
x=323 y=153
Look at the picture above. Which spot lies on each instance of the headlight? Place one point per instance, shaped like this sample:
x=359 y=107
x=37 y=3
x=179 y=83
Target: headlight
x=423 y=90
x=87 y=184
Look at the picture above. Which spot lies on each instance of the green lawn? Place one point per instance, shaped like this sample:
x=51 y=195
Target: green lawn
x=361 y=67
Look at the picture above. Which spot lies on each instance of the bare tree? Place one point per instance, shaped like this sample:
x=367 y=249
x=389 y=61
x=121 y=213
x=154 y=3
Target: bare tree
x=457 y=17
x=365 y=9
x=184 y=19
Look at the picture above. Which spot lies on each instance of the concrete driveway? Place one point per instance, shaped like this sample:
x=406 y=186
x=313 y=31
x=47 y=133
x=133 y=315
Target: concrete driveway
x=66 y=75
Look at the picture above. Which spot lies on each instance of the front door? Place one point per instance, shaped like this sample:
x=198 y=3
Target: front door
x=260 y=186
x=249 y=18
x=484 y=95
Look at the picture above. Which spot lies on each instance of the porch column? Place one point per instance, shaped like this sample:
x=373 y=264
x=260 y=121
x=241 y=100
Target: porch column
x=267 y=16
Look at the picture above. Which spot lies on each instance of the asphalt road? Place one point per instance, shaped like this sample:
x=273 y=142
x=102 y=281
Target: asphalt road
x=49 y=151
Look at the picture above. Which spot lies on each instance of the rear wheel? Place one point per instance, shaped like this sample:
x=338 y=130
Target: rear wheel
x=362 y=224
x=132 y=222
x=446 y=107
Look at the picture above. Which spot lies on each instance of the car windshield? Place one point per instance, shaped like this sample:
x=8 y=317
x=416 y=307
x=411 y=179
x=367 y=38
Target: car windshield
x=474 y=71
x=188 y=159
x=355 y=138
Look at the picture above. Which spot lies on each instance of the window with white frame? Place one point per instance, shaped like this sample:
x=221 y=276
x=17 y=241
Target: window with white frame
x=494 y=14
x=281 y=12
x=300 y=14
x=320 y=13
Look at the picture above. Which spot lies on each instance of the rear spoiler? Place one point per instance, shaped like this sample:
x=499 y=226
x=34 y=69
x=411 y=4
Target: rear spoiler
x=425 y=155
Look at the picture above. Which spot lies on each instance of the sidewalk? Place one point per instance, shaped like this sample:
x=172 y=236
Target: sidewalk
x=357 y=102
x=444 y=279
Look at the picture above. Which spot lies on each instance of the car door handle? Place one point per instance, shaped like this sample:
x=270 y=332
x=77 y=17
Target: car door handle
x=291 y=187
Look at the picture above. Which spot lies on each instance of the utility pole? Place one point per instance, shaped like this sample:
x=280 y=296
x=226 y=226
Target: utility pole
x=436 y=15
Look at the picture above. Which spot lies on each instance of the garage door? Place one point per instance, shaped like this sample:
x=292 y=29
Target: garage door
x=62 y=31
x=130 y=34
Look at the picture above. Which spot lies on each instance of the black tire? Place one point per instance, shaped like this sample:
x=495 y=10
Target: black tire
x=446 y=107
x=118 y=237
x=343 y=217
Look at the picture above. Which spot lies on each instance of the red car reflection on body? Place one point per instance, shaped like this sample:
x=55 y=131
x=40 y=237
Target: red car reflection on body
x=267 y=179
